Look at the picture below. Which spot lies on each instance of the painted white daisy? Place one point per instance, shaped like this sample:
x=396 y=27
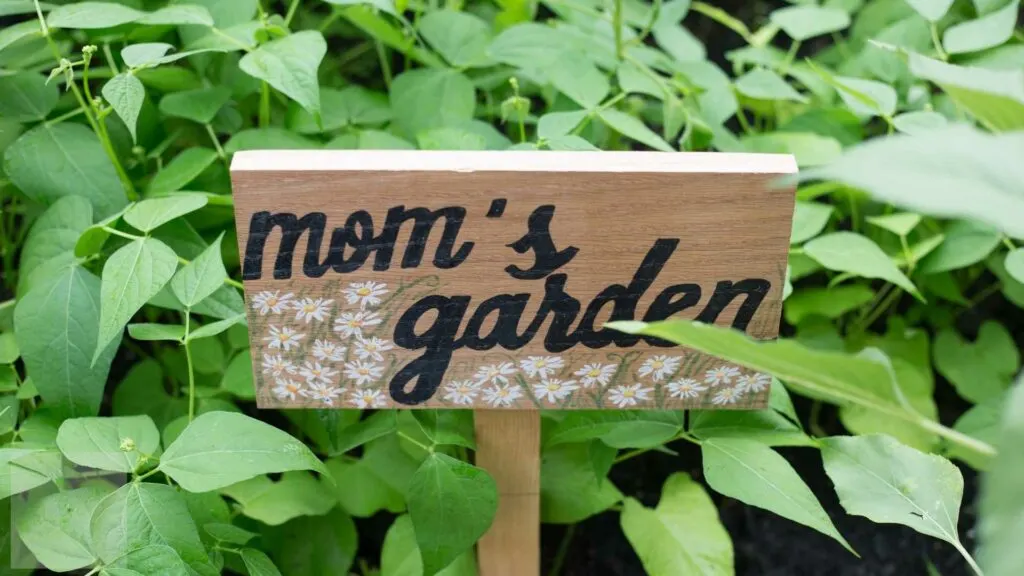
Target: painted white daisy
x=461 y=391
x=327 y=350
x=314 y=373
x=365 y=293
x=542 y=366
x=753 y=382
x=685 y=388
x=363 y=372
x=266 y=302
x=554 y=389
x=624 y=395
x=599 y=374
x=350 y=324
x=283 y=337
x=721 y=375
x=311 y=309
x=727 y=395
x=659 y=367
x=322 y=392
x=495 y=373
x=502 y=395
x=274 y=365
x=371 y=348
x=286 y=388
x=367 y=399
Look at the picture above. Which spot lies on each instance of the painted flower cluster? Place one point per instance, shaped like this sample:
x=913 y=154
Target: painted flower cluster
x=327 y=352
x=351 y=358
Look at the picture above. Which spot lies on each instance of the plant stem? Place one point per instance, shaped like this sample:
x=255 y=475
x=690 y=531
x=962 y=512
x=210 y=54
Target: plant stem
x=291 y=13
x=264 y=104
x=969 y=442
x=967 y=556
x=117 y=232
x=617 y=26
x=63 y=117
x=563 y=549
x=191 y=371
x=937 y=43
x=385 y=65
x=216 y=143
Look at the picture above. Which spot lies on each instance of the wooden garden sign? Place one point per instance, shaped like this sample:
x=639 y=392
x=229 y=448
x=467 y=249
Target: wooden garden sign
x=483 y=280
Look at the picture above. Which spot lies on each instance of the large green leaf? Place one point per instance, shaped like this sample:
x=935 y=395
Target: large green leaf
x=618 y=428
x=451 y=505
x=131 y=276
x=858 y=255
x=431 y=98
x=221 y=448
x=754 y=474
x=199 y=105
x=1002 y=494
x=979 y=370
x=569 y=489
x=633 y=128
x=314 y=544
x=887 y=482
x=764 y=84
x=56 y=324
x=23 y=467
x=808 y=21
x=290 y=64
x=148 y=215
x=400 y=555
x=360 y=491
x=765 y=426
x=109 y=443
x=56 y=527
x=460 y=37
x=928 y=174
x=809 y=219
x=26 y=97
x=296 y=494
x=141 y=514
x=181 y=170
x=966 y=242
x=985 y=32
x=200 y=277
x=933 y=10
x=352 y=105
x=50 y=162
x=682 y=535
x=994 y=97
x=54 y=235
x=91 y=15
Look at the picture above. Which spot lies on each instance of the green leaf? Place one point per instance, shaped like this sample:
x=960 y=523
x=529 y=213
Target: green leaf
x=383 y=5
x=919 y=122
x=150 y=214
x=13 y=34
x=850 y=252
x=26 y=97
x=148 y=331
x=136 y=55
x=56 y=326
x=928 y=173
x=290 y=65
x=258 y=563
x=754 y=474
x=9 y=352
x=826 y=302
x=378 y=424
x=141 y=514
x=449 y=138
x=222 y=448
x=200 y=105
x=66 y=159
x=274 y=503
x=1002 y=494
x=966 y=243
x=981 y=422
x=400 y=556
x=181 y=170
x=109 y=443
x=200 y=277
x=808 y=21
x=272 y=138
x=361 y=492
x=447 y=427
x=569 y=490
x=633 y=128
x=125 y=94
x=618 y=428
x=932 y=10
x=887 y=482
x=228 y=532
x=451 y=505
x=53 y=235
x=682 y=535
x=56 y=527
x=238 y=376
x=88 y=15
x=994 y=97
x=987 y=31
x=459 y=37
x=1014 y=264
x=866 y=97
x=314 y=544
x=151 y=559
x=431 y=98
x=22 y=468
x=914 y=388
x=131 y=276
x=554 y=124
x=980 y=370
x=763 y=84
x=899 y=224
x=809 y=219
x=575 y=76
x=350 y=106
x=765 y=426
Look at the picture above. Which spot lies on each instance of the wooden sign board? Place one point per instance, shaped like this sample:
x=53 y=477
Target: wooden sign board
x=381 y=279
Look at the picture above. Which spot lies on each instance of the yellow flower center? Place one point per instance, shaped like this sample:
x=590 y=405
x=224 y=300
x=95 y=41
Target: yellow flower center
x=541 y=363
x=364 y=371
x=554 y=387
x=657 y=365
x=307 y=308
x=628 y=393
x=594 y=373
x=271 y=301
x=364 y=291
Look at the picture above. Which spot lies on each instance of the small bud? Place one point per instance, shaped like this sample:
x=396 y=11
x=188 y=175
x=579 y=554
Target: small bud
x=514 y=82
x=127 y=445
x=89 y=49
x=517 y=104
x=138 y=151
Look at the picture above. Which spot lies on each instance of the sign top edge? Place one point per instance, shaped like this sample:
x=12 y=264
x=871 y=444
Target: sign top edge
x=510 y=161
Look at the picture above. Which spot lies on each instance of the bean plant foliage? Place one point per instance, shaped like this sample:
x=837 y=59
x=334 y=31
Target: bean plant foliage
x=131 y=444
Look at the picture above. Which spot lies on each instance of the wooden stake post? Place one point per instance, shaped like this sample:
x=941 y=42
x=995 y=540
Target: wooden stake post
x=483 y=280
